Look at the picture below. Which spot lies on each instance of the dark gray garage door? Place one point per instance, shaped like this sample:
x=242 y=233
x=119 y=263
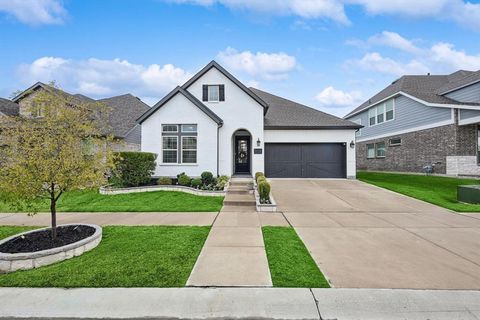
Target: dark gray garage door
x=305 y=160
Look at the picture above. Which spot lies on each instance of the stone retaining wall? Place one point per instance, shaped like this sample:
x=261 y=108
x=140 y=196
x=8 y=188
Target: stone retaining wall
x=197 y=192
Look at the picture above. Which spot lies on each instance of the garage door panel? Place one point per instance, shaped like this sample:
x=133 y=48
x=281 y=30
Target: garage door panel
x=305 y=160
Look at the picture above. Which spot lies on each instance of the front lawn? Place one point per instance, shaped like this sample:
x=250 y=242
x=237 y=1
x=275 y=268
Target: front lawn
x=156 y=256
x=289 y=260
x=159 y=201
x=441 y=191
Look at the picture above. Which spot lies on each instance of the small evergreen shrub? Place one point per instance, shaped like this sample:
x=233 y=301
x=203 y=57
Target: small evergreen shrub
x=258 y=174
x=184 y=180
x=207 y=177
x=133 y=169
x=264 y=191
x=261 y=179
x=196 y=182
x=164 y=181
x=221 y=182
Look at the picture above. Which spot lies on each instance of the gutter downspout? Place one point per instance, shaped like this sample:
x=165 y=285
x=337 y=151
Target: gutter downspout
x=218 y=149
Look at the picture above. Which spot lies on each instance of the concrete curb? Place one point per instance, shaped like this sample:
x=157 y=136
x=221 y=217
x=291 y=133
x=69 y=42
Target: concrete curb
x=238 y=303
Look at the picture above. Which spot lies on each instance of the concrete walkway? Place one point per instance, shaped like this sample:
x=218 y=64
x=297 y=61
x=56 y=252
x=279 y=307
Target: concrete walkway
x=238 y=303
x=234 y=252
x=117 y=218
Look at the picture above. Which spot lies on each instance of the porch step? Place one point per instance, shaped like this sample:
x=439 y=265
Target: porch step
x=239 y=200
x=240 y=191
x=228 y=208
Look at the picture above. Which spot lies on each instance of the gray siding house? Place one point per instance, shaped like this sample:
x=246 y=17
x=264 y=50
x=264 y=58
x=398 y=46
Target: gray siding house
x=419 y=121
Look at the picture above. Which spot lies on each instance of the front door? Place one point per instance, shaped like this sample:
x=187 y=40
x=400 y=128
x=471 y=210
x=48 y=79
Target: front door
x=242 y=154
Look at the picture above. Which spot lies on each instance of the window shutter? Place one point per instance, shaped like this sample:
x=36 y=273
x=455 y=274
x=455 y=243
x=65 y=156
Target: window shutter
x=205 y=93
x=222 y=92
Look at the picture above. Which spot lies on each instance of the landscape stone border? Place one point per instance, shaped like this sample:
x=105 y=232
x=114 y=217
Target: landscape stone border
x=10 y=262
x=197 y=192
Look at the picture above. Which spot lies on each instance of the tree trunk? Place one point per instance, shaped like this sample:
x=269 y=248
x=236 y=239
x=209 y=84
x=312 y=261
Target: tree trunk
x=53 y=212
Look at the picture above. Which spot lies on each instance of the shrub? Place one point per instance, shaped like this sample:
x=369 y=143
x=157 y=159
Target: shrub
x=221 y=182
x=196 y=182
x=264 y=190
x=165 y=181
x=207 y=177
x=261 y=179
x=184 y=180
x=133 y=169
x=258 y=174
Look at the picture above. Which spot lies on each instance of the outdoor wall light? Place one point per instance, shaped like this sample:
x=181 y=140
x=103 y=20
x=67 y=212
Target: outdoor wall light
x=352 y=144
x=258 y=142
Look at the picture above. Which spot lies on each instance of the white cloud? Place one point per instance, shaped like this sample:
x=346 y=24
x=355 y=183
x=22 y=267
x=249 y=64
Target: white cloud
x=309 y=9
x=99 y=78
x=393 y=40
x=374 y=61
x=333 y=98
x=35 y=12
x=446 y=55
x=270 y=66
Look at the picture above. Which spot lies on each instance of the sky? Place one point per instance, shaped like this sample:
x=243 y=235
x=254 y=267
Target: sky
x=328 y=54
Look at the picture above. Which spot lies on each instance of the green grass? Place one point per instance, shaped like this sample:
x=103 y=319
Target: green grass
x=290 y=263
x=441 y=191
x=155 y=256
x=6 y=232
x=160 y=201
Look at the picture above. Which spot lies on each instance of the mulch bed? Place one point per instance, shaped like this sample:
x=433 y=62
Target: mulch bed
x=42 y=240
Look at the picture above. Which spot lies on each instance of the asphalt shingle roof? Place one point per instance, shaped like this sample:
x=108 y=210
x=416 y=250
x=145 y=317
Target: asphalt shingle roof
x=425 y=87
x=286 y=114
x=8 y=107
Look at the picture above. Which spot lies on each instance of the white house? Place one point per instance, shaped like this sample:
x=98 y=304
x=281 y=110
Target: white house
x=215 y=123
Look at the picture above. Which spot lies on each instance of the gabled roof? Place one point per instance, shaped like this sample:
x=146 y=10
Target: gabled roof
x=125 y=110
x=286 y=114
x=214 y=64
x=190 y=97
x=429 y=89
x=8 y=107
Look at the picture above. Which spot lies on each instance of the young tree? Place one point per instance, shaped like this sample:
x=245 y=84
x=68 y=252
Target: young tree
x=63 y=147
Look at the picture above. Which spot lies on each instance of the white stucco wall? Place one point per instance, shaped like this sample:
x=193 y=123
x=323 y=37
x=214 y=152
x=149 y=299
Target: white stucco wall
x=238 y=111
x=179 y=110
x=317 y=136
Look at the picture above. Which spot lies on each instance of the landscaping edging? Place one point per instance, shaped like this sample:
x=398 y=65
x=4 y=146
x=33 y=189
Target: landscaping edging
x=10 y=262
x=197 y=192
x=263 y=207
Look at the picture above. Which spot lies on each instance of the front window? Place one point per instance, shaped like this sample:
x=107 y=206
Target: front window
x=370 y=151
x=189 y=149
x=170 y=148
x=169 y=128
x=380 y=150
x=382 y=113
x=214 y=93
x=395 y=142
x=189 y=128
x=372 y=115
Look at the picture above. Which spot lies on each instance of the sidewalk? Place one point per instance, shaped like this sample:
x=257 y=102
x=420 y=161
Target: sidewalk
x=238 y=303
x=113 y=218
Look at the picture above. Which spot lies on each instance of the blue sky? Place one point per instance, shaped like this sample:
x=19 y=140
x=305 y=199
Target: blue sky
x=328 y=54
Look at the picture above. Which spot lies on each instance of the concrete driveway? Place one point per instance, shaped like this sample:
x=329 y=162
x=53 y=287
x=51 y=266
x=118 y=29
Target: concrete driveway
x=362 y=236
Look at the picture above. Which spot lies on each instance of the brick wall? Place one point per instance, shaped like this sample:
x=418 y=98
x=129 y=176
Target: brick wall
x=422 y=148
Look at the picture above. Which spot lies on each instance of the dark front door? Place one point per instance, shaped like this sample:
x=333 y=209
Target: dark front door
x=305 y=160
x=242 y=154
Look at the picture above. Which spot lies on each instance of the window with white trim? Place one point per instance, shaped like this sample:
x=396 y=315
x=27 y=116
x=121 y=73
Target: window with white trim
x=213 y=93
x=383 y=112
x=170 y=149
x=189 y=149
x=370 y=151
x=395 y=142
x=189 y=128
x=169 y=128
x=380 y=149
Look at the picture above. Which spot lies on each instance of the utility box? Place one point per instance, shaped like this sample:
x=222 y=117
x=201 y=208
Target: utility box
x=469 y=194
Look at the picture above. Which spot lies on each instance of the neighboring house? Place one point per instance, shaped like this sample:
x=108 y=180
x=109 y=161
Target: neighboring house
x=124 y=110
x=8 y=108
x=419 y=121
x=215 y=123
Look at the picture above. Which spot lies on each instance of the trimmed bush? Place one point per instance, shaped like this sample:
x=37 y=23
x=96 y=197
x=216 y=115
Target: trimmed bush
x=258 y=174
x=133 y=169
x=264 y=191
x=196 y=182
x=207 y=177
x=164 y=181
x=222 y=181
x=261 y=179
x=184 y=180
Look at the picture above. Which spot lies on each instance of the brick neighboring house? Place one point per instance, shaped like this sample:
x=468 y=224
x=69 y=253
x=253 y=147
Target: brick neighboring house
x=422 y=120
x=125 y=110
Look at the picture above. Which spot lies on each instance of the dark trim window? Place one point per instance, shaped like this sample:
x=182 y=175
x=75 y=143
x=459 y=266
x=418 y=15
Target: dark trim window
x=213 y=92
x=395 y=142
x=370 y=151
x=380 y=149
x=179 y=143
